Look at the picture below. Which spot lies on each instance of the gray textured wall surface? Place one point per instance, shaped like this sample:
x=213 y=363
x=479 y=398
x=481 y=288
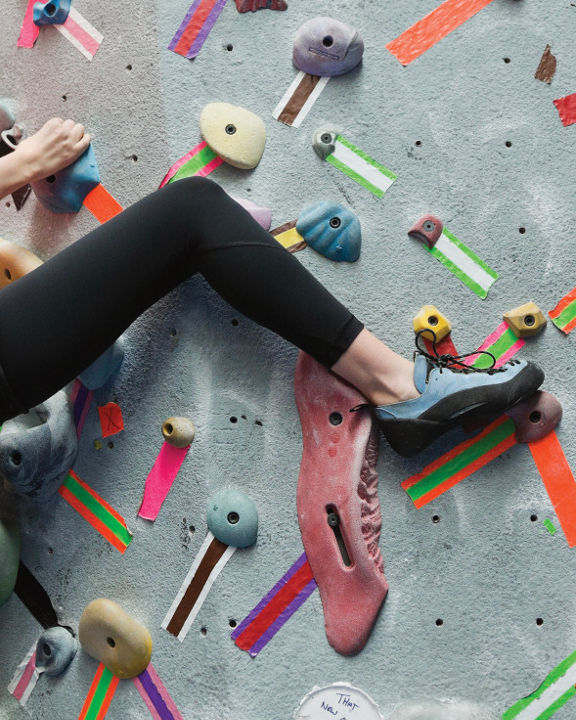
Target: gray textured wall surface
x=486 y=569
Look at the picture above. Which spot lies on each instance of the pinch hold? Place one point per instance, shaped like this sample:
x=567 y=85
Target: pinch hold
x=332 y=230
x=178 y=431
x=55 y=650
x=536 y=416
x=324 y=46
x=428 y=229
x=233 y=518
x=430 y=318
x=324 y=141
x=525 y=320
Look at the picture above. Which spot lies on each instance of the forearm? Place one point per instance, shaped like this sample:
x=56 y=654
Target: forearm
x=14 y=173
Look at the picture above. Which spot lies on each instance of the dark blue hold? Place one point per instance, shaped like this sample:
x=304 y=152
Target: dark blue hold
x=65 y=191
x=332 y=230
x=54 y=12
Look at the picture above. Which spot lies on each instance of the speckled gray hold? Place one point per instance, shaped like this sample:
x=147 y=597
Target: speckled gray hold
x=55 y=650
x=327 y=47
x=324 y=140
x=38 y=448
x=443 y=710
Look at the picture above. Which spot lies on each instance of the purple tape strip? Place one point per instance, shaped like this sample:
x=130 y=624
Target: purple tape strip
x=156 y=699
x=184 y=24
x=208 y=25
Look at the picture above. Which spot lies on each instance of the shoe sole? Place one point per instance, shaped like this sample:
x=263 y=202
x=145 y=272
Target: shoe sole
x=409 y=437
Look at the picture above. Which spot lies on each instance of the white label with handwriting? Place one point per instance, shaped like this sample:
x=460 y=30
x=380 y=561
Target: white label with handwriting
x=340 y=701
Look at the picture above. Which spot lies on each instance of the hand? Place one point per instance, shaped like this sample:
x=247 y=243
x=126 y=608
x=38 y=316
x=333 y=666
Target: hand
x=55 y=146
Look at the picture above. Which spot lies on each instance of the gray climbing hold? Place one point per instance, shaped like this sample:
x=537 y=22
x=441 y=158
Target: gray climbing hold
x=97 y=375
x=332 y=230
x=324 y=140
x=233 y=518
x=55 y=650
x=443 y=710
x=38 y=448
x=326 y=47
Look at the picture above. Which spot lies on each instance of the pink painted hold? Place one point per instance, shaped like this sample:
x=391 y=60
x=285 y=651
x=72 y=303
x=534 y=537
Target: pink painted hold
x=428 y=229
x=338 y=506
x=536 y=416
x=262 y=215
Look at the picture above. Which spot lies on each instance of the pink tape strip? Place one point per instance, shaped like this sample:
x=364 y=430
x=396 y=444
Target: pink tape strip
x=170 y=712
x=207 y=169
x=184 y=159
x=29 y=32
x=503 y=359
x=490 y=340
x=27 y=676
x=160 y=479
x=89 y=43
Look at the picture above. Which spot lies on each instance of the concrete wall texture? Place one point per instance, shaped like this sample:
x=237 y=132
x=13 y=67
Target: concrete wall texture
x=486 y=568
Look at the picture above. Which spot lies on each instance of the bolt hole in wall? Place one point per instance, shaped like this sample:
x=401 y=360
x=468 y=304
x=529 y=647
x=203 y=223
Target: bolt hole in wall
x=204 y=631
x=235 y=322
x=232 y=623
x=229 y=47
x=50 y=551
x=508 y=143
x=539 y=622
x=435 y=518
x=134 y=158
x=110 y=444
x=521 y=230
x=507 y=60
x=233 y=419
x=418 y=143
x=64 y=98
x=191 y=529
x=439 y=622
x=533 y=518
x=111 y=642
x=128 y=67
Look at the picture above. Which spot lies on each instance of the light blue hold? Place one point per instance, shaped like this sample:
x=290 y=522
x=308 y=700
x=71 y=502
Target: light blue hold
x=53 y=13
x=65 y=191
x=55 y=650
x=97 y=375
x=233 y=518
x=332 y=230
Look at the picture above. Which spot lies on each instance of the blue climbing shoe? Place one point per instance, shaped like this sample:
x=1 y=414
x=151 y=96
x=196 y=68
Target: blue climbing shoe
x=451 y=393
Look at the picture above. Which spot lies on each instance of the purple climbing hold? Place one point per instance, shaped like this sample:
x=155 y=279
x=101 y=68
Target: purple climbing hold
x=428 y=229
x=536 y=416
x=262 y=215
x=54 y=12
x=326 y=47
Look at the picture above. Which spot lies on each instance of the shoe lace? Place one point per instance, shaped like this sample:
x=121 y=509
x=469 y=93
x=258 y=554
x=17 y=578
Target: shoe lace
x=454 y=362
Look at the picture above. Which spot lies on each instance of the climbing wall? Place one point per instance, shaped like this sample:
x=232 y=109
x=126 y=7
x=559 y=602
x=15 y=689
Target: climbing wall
x=481 y=601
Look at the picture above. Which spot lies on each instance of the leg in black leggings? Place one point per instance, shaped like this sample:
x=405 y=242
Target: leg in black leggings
x=59 y=318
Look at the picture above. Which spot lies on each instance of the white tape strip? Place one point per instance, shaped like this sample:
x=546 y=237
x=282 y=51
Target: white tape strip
x=358 y=164
x=306 y=106
x=25 y=677
x=81 y=33
x=464 y=262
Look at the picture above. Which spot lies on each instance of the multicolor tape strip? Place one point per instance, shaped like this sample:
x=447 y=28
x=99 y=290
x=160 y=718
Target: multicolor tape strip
x=25 y=677
x=502 y=343
x=81 y=33
x=433 y=28
x=361 y=167
x=276 y=608
x=555 y=691
x=566 y=107
x=155 y=695
x=463 y=263
x=100 y=695
x=298 y=100
x=101 y=204
x=564 y=314
x=29 y=31
x=96 y=511
x=81 y=398
x=201 y=160
x=195 y=27
x=160 y=479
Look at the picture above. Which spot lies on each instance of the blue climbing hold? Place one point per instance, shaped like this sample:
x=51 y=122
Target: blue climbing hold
x=233 y=518
x=97 y=375
x=55 y=650
x=332 y=230
x=65 y=191
x=54 y=12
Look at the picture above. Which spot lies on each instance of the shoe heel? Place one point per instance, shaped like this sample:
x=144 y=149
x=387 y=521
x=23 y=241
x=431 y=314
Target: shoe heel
x=409 y=437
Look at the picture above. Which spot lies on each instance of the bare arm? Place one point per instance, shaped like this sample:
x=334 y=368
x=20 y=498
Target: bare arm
x=56 y=145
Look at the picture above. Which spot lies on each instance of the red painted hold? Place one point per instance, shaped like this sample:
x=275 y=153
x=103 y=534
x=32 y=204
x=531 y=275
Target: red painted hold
x=536 y=416
x=253 y=5
x=338 y=506
x=428 y=229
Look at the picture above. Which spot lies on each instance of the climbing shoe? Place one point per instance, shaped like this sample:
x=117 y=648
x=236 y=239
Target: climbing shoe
x=452 y=393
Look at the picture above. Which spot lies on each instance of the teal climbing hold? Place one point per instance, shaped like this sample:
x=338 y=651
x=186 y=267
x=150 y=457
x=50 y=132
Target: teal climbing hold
x=54 y=12
x=233 y=518
x=55 y=650
x=332 y=230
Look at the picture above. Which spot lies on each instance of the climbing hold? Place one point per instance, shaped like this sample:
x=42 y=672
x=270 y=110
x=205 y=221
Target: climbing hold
x=54 y=12
x=324 y=141
x=55 y=650
x=103 y=368
x=262 y=215
x=235 y=134
x=536 y=416
x=326 y=47
x=9 y=556
x=526 y=320
x=430 y=318
x=65 y=191
x=233 y=518
x=332 y=230
x=110 y=635
x=15 y=261
x=38 y=448
x=253 y=5
x=443 y=710
x=6 y=116
x=428 y=229
x=178 y=431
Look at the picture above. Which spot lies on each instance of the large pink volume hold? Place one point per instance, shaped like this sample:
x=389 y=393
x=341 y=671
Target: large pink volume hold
x=338 y=506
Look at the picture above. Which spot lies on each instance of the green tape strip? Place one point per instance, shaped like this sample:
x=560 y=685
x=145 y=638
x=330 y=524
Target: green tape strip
x=197 y=162
x=472 y=255
x=99 y=695
x=566 y=316
x=356 y=150
x=455 y=270
x=499 y=348
x=549 y=525
x=355 y=176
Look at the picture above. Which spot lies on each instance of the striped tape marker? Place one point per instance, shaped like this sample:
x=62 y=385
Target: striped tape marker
x=101 y=204
x=433 y=28
x=195 y=27
x=502 y=343
x=276 y=608
x=289 y=237
x=160 y=479
x=81 y=399
x=25 y=677
x=360 y=167
x=155 y=695
x=84 y=36
x=207 y=565
x=298 y=100
x=566 y=107
x=564 y=314
x=100 y=695
x=96 y=511
x=555 y=691
x=201 y=160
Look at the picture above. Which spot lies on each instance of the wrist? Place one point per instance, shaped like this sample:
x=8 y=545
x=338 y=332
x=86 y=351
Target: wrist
x=26 y=166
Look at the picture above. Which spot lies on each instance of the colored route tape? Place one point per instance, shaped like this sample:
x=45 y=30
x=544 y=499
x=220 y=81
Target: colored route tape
x=195 y=27
x=549 y=525
x=160 y=479
x=433 y=28
x=558 y=481
x=276 y=608
x=502 y=343
x=25 y=677
x=564 y=314
x=100 y=695
x=155 y=695
x=81 y=399
x=298 y=100
x=111 y=420
x=566 y=107
x=360 y=167
x=553 y=693
x=463 y=263
x=101 y=204
x=29 y=32
x=201 y=160
x=35 y=598
x=81 y=33
x=96 y=511
x=460 y=462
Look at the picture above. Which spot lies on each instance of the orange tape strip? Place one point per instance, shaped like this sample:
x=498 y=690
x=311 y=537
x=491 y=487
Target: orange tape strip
x=435 y=26
x=558 y=481
x=101 y=204
x=563 y=304
x=91 y=692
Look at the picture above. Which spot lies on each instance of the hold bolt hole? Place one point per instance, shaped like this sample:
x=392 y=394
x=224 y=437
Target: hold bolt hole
x=535 y=416
x=326 y=138
x=233 y=419
x=229 y=47
x=230 y=129
x=111 y=641
x=439 y=622
x=335 y=222
x=51 y=178
x=429 y=226
x=235 y=322
x=16 y=457
x=335 y=418
x=529 y=320
x=506 y=60
x=232 y=623
x=46 y=649
x=435 y=518
x=50 y=9
x=521 y=230
x=8 y=274
x=204 y=631
x=328 y=41
x=433 y=320
x=418 y=143
x=533 y=518
x=539 y=621
x=128 y=67
x=233 y=517
x=508 y=143
x=191 y=529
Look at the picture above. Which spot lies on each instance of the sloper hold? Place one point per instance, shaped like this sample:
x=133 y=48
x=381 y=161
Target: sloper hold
x=65 y=191
x=237 y=135
x=525 y=320
x=430 y=318
x=428 y=229
x=112 y=637
x=536 y=416
x=15 y=261
x=338 y=506
x=233 y=518
x=55 y=650
x=324 y=46
x=324 y=140
x=54 y=12
x=262 y=215
x=332 y=230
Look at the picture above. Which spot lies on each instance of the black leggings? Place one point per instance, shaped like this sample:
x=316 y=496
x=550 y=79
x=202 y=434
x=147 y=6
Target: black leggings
x=58 y=319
